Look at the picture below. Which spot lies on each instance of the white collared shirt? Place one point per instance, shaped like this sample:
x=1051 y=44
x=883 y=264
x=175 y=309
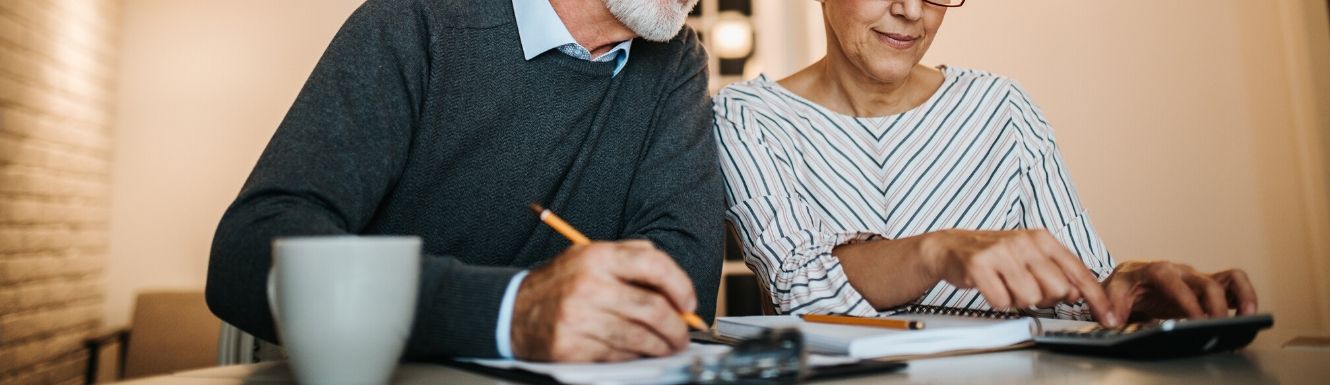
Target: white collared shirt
x=540 y=29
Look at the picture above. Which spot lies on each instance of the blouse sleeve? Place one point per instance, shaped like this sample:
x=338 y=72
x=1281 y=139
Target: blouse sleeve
x=786 y=243
x=1049 y=199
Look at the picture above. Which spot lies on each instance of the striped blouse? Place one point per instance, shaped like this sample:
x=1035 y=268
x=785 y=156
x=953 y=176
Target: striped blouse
x=801 y=179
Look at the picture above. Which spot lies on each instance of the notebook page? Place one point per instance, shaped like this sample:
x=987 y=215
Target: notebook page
x=941 y=334
x=1054 y=324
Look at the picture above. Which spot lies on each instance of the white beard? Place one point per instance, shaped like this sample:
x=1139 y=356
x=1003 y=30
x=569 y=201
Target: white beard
x=654 y=20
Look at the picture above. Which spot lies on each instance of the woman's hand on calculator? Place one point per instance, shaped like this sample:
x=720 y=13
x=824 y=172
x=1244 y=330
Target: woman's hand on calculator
x=1162 y=289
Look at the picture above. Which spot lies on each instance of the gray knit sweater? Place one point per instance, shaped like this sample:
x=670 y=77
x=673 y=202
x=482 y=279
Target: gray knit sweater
x=423 y=118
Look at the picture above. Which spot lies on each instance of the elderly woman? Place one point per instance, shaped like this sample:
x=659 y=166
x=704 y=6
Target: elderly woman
x=867 y=181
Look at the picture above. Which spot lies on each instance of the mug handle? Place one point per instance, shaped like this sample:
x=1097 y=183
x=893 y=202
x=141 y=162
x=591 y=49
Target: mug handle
x=272 y=293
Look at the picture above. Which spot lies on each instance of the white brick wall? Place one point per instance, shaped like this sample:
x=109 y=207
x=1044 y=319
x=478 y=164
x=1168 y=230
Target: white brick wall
x=57 y=61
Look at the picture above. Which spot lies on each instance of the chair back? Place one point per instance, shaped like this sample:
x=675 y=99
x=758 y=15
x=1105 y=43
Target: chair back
x=170 y=331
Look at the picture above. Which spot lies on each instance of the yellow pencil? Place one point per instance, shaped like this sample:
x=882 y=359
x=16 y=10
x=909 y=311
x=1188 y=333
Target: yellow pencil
x=864 y=321
x=577 y=238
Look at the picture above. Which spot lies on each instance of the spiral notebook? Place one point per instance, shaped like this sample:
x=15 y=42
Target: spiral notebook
x=946 y=330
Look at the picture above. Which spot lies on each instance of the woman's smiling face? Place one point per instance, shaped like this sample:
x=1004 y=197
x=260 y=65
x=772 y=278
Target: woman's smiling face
x=884 y=39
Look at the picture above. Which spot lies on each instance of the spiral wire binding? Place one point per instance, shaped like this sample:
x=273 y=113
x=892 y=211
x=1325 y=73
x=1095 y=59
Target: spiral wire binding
x=976 y=313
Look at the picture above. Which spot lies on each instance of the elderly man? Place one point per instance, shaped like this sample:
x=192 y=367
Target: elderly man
x=444 y=118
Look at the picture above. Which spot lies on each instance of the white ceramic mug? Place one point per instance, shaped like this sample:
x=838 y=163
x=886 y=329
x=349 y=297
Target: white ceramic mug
x=344 y=305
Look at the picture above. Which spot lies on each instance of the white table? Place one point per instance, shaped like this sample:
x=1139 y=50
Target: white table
x=1012 y=367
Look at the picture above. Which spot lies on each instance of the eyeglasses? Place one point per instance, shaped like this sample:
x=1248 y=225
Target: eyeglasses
x=946 y=3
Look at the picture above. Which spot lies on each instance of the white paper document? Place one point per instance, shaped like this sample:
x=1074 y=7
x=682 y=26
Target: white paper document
x=650 y=371
x=665 y=370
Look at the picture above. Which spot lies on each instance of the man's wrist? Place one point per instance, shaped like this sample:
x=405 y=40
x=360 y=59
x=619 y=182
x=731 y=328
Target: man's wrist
x=504 y=327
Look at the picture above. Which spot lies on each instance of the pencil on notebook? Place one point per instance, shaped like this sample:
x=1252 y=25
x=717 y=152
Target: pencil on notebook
x=864 y=321
x=577 y=238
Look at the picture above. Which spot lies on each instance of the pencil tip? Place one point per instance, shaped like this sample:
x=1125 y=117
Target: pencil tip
x=535 y=208
x=696 y=322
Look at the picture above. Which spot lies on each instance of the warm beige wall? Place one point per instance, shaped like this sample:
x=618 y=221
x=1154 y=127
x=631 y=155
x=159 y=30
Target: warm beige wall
x=1307 y=45
x=1195 y=129
x=203 y=85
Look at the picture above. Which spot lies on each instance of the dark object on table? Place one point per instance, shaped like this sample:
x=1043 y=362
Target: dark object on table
x=1159 y=339
x=777 y=356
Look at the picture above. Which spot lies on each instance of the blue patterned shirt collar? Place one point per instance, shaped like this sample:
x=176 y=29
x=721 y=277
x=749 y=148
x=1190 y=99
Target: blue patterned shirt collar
x=541 y=30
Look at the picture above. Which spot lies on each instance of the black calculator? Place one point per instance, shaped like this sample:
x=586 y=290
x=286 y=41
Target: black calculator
x=1158 y=339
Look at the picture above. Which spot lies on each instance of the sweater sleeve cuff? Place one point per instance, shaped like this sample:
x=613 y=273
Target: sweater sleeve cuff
x=458 y=309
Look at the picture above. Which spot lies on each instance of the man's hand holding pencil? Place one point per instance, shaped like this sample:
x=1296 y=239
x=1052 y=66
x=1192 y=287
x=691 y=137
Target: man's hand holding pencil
x=602 y=301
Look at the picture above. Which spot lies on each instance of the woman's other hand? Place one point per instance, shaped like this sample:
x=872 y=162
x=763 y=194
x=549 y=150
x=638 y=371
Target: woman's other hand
x=1163 y=289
